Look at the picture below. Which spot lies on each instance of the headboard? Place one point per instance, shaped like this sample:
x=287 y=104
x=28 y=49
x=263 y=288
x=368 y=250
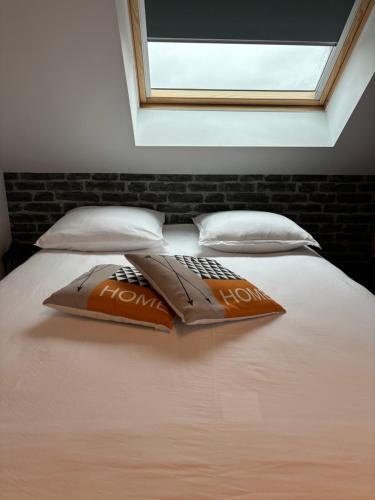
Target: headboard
x=337 y=210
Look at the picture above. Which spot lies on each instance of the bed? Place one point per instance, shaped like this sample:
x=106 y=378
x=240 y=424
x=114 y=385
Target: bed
x=275 y=408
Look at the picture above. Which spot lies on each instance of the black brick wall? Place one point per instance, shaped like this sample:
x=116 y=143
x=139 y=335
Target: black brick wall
x=337 y=210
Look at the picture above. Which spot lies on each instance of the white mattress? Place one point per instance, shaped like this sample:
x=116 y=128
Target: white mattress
x=277 y=408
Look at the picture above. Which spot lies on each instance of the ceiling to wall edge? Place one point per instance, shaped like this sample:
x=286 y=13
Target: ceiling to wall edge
x=248 y=128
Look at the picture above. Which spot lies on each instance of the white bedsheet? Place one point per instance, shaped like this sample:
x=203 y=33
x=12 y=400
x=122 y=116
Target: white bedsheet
x=277 y=408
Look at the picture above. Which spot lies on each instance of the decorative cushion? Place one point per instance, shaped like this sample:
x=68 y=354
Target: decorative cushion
x=116 y=293
x=201 y=290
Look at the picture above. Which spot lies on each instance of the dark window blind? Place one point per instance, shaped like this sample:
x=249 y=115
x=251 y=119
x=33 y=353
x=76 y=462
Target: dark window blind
x=284 y=21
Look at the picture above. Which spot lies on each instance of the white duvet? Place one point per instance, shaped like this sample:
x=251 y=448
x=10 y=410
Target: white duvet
x=277 y=408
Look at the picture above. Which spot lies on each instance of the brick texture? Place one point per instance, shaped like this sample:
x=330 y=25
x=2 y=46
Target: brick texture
x=338 y=210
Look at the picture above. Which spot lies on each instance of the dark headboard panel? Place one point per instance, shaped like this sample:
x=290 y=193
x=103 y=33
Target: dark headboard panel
x=337 y=210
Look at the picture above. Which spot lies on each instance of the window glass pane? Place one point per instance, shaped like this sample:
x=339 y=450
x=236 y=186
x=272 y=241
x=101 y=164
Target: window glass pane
x=230 y=66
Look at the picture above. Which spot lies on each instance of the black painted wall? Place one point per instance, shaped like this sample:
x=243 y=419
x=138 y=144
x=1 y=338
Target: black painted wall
x=339 y=211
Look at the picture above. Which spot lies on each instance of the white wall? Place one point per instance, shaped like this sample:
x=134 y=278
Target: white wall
x=357 y=74
x=4 y=223
x=65 y=106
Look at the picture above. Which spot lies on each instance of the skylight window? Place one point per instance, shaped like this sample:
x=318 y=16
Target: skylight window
x=247 y=52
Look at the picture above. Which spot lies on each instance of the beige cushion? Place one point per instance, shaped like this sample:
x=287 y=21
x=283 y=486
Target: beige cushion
x=201 y=290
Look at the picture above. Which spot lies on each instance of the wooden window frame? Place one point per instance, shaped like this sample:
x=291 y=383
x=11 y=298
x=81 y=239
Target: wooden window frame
x=231 y=99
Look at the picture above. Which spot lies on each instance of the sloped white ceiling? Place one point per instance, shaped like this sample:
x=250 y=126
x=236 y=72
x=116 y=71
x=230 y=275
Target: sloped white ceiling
x=64 y=105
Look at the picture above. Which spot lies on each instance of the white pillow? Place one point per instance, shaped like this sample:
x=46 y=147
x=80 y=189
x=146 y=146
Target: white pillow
x=248 y=231
x=105 y=229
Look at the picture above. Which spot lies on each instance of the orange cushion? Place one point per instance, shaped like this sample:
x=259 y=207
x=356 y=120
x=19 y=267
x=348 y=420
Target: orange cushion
x=113 y=292
x=201 y=290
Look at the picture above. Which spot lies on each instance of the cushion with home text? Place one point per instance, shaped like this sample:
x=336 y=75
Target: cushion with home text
x=116 y=293
x=201 y=290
